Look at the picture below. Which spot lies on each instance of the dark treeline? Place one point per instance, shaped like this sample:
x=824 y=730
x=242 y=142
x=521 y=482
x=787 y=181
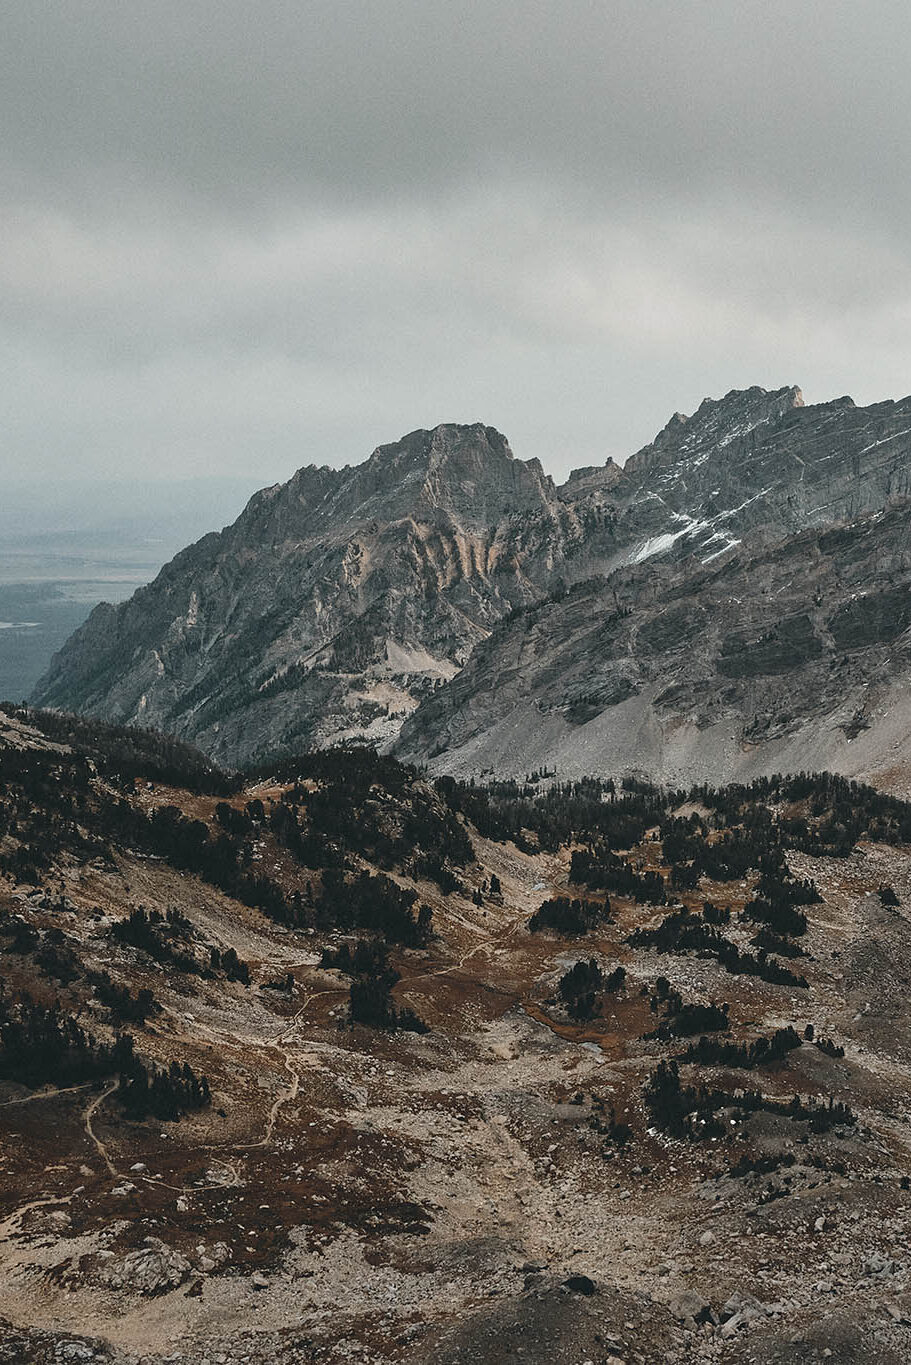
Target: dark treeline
x=366 y=805
x=768 y=942
x=23 y=936
x=562 y=915
x=164 y=937
x=226 y=962
x=351 y=801
x=170 y=939
x=726 y=857
x=368 y=957
x=370 y=805
x=358 y=768
x=696 y=1111
x=53 y=953
x=838 y=811
x=557 y=814
x=372 y=979
x=830 y=1048
x=777 y=884
x=125 y=1007
x=42 y=1045
x=382 y=809
x=602 y=870
x=724 y=845
x=686 y=931
x=374 y=903
x=128 y=752
x=777 y=895
x=744 y=1056
x=44 y=807
x=779 y=917
x=146 y=1091
x=57 y=957
x=583 y=986
x=371 y=1003
x=363 y=901
x=684 y=1020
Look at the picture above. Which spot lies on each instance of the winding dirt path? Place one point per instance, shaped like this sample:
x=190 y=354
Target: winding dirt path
x=277 y=1105
x=47 y=1094
x=490 y=940
x=14 y=1219
x=90 y=1131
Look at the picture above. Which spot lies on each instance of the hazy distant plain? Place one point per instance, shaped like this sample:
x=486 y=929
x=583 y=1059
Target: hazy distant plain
x=65 y=548
x=47 y=590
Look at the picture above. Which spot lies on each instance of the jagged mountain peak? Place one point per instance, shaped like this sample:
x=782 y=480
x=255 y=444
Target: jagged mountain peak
x=755 y=402
x=339 y=601
x=461 y=472
x=466 y=471
x=717 y=422
x=448 y=441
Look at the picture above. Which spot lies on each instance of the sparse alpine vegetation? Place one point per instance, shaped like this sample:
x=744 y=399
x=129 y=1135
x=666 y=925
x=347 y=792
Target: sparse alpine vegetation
x=334 y=1004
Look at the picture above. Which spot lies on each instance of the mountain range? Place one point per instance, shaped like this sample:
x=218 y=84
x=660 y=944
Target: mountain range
x=734 y=599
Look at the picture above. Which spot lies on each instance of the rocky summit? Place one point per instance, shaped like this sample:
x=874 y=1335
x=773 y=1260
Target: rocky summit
x=732 y=601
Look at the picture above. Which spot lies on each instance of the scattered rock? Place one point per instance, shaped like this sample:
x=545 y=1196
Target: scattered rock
x=213 y=1257
x=690 y=1305
x=738 y=1312
x=153 y=1269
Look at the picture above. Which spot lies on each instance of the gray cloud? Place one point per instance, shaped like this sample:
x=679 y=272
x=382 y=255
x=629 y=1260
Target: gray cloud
x=236 y=238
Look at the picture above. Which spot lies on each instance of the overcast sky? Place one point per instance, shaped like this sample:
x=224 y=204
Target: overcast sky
x=238 y=238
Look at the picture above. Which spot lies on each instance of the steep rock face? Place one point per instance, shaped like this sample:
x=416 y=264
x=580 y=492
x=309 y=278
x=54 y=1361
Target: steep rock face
x=340 y=602
x=797 y=655
x=332 y=604
x=759 y=462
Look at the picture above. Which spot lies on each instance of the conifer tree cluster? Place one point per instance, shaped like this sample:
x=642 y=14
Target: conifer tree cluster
x=42 y=1045
x=571 y=918
x=169 y=938
x=125 y=1007
x=700 y=1112
x=583 y=986
x=744 y=1056
x=598 y=868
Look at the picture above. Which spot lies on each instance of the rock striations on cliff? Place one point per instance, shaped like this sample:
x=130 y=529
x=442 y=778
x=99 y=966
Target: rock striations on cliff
x=734 y=598
x=335 y=601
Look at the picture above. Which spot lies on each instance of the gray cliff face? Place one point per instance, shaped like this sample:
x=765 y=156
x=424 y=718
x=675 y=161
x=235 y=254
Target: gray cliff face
x=757 y=462
x=692 y=607
x=795 y=656
x=332 y=605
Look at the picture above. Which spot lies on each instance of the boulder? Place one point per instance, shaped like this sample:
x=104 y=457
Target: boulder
x=153 y=1269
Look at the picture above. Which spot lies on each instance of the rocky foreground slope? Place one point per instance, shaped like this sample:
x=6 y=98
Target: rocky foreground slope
x=338 y=1065
x=426 y=588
